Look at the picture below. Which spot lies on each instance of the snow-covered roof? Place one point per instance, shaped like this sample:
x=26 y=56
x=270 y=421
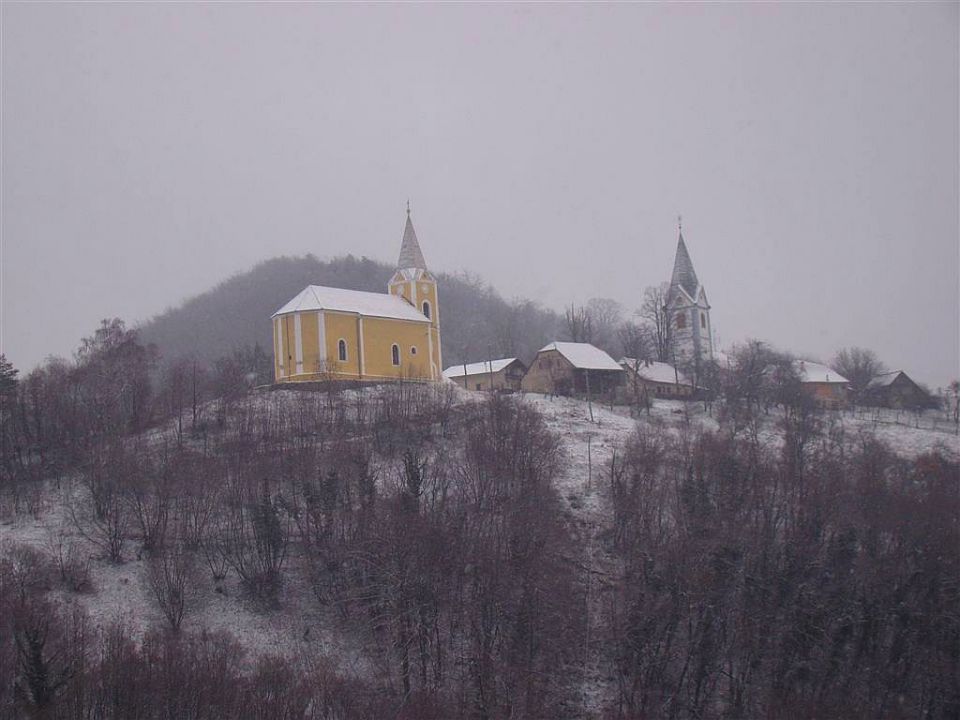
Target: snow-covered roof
x=583 y=356
x=814 y=372
x=477 y=368
x=880 y=381
x=317 y=297
x=654 y=371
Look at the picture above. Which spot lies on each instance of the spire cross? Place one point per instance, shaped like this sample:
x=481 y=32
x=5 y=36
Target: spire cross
x=408 y=206
x=680 y=223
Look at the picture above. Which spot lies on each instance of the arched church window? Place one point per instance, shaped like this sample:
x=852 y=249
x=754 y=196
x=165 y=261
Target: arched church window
x=395 y=351
x=681 y=320
x=342 y=350
x=426 y=309
x=703 y=320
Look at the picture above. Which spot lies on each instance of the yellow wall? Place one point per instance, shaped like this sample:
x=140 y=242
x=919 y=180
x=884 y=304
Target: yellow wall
x=342 y=325
x=379 y=335
x=418 y=286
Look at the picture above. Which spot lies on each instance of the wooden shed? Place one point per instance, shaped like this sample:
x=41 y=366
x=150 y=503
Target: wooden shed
x=895 y=390
x=569 y=368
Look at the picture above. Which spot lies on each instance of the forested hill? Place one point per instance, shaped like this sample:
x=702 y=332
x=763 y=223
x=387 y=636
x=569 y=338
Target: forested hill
x=475 y=321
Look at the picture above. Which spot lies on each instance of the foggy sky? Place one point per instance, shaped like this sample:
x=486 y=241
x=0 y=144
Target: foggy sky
x=151 y=150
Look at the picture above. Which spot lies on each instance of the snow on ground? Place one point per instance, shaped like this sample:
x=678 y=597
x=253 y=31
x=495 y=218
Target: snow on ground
x=583 y=482
x=299 y=625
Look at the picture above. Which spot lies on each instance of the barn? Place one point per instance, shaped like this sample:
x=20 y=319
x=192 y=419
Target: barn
x=571 y=368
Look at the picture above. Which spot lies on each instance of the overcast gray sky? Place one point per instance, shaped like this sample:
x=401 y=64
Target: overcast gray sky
x=151 y=150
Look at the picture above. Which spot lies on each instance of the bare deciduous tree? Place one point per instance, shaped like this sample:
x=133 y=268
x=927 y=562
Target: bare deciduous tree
x=859 y=366
x=579 y=324
x=170 y=574
x=655 y=313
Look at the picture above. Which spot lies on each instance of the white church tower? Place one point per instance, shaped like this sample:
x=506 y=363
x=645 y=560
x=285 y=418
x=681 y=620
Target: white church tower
x=689 y=310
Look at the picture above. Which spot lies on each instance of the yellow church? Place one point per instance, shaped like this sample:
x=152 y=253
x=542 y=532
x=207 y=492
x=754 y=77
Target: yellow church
x=329 y=333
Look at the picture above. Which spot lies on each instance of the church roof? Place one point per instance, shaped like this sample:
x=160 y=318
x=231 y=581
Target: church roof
x=478 y=368
x=317 y=297
x=584 y=356
x=683 y=273
x=410 y=254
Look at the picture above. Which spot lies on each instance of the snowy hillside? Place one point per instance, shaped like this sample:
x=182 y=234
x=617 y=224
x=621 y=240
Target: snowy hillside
x=292 y=623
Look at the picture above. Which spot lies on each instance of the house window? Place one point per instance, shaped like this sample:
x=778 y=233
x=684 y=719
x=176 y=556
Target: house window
x=681 y=321
x=342 y=350
x=413 y=350
x=479 y=386
x=395 y=352
x=426 y=309
x=703 y=320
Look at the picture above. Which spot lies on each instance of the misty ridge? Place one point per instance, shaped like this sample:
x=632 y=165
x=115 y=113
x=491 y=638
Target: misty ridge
x=477 y=322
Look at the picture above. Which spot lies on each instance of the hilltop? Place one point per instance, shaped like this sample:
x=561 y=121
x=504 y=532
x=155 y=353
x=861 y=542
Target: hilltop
x=476 y=321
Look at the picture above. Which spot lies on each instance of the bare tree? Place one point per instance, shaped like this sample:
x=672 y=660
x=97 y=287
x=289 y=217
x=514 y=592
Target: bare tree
x=655 y=313
x=639 y=348
x=859 y=366
x=169 y=575
x=579 y=324
x=605 y=318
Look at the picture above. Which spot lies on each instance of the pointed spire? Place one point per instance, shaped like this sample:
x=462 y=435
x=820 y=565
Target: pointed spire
x=410 y=254
x=683 y=272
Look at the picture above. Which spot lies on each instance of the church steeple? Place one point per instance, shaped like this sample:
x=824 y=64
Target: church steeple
x=414 y=283
x=690 y=312
x=411 y=257
x=683 y=273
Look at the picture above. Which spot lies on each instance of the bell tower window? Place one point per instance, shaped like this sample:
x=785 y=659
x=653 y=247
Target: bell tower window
x=426 y=309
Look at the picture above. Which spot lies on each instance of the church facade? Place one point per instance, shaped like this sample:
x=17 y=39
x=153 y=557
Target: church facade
x=329 y=333
x=688 y=310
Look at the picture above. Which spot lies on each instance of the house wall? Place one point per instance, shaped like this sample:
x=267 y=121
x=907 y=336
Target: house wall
x=509 y=378
x=828 y=395
x=549 y=372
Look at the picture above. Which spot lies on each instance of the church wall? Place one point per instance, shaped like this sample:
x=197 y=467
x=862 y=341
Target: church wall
x=380 y=334
x=342 y=326
x=308 y=335
x=277 y=350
